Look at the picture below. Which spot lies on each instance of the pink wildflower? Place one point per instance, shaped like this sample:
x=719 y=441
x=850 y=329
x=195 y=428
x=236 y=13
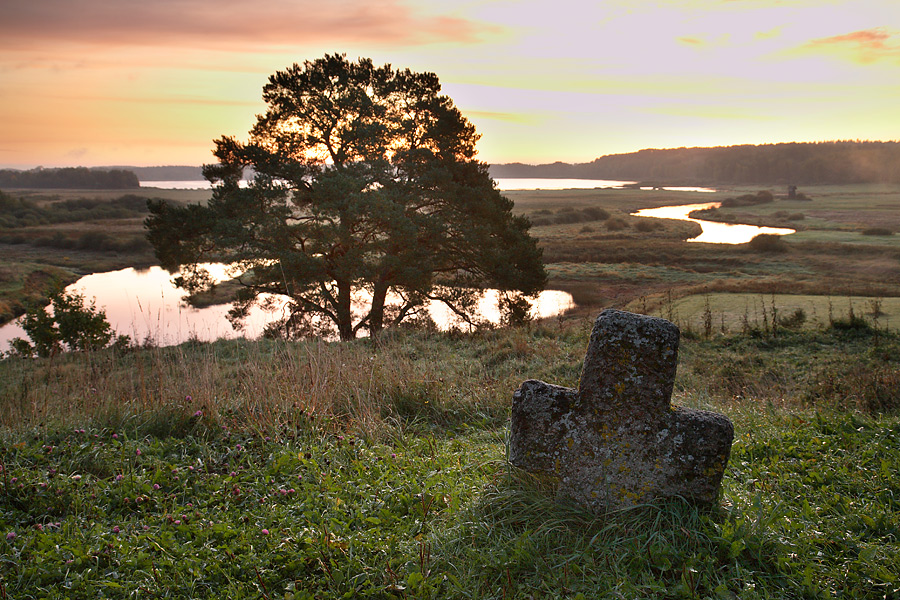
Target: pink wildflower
x=265 y=532
x=155 y=486
x=115 y=529
x=138 y=452
x=11 y=535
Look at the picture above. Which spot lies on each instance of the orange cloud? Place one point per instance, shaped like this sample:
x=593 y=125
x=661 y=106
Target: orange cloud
x=864 y=47
x=226 y=24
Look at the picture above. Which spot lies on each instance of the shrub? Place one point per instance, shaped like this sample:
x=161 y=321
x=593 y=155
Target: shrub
x=877 y=231
x=73 y=325
x=646 y=225
x=794 y=321
x=595 y=213
x=767 y=242
x=616 y=224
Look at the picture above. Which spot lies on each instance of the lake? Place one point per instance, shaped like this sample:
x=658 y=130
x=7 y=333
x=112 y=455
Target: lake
x=145 y=305
x=713 y=232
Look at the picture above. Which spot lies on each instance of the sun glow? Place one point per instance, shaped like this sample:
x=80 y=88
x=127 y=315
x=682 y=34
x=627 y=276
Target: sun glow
x=93 y=83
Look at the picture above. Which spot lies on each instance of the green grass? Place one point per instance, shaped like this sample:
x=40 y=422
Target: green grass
x=380 y=471
x=310 y=470
x=734 y=312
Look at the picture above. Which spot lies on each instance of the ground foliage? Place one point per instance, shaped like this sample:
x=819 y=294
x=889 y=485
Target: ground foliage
x=314 y=495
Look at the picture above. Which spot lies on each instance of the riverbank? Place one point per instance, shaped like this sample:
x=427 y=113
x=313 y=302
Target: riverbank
x=593 y=247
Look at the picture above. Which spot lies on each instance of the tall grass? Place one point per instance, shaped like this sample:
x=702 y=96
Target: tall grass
x=442 y=378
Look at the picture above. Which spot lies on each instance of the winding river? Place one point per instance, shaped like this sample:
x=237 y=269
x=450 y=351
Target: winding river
x=712 y=231
x=145 y=305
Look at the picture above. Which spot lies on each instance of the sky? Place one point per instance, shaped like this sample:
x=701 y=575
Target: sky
x=154 y=82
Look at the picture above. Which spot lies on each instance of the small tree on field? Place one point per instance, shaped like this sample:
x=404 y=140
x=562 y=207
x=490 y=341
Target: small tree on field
x=364 y=181
x=73 y=325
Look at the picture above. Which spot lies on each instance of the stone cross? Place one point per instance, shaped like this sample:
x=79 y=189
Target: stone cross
x=617 y=441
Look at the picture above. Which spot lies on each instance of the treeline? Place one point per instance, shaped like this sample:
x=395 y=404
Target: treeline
x=80 y=178
x=165 y=173
x=792 y=163
x=21 y=212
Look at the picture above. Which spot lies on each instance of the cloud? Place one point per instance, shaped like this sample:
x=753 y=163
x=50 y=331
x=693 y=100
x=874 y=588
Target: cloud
x=691 y=41
x=229 y=24
x=502 y=116
x=864 y=47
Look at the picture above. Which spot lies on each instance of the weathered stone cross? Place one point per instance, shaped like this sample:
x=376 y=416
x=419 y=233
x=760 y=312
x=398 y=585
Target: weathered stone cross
x=617 y=441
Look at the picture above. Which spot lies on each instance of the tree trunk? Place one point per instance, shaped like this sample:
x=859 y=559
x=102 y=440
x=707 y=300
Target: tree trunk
x=376 y=313
x=345 y=317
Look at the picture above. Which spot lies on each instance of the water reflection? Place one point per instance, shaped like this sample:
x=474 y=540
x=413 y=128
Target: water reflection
x=713 y=232
x=147 y=306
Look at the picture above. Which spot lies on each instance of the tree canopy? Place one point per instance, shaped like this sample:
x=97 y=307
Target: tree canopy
x=364 y=182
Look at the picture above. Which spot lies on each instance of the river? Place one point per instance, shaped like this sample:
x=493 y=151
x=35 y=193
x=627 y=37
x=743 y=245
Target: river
x=145 y=305
x=712 y=231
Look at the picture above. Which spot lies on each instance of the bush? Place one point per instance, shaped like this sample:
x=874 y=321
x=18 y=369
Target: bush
x=595 y=213
x=646 y=225
x=767 y=242
x=616 y=224
x=73 y=326
x=877 y=231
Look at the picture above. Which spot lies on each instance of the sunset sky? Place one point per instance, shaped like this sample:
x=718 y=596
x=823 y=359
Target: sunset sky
x=153 y=82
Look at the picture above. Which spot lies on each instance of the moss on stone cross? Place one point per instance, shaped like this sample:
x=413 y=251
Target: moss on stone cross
x=617 y=441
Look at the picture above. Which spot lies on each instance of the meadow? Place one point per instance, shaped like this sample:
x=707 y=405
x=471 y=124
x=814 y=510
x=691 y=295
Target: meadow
x=273 y=469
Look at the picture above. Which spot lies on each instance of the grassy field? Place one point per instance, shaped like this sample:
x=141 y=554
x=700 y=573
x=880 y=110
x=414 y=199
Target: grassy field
x=272 y=469
x=56 y=239
x=310 y=470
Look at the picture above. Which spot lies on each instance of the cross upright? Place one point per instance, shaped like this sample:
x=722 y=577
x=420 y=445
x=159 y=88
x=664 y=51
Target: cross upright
x=617 y=441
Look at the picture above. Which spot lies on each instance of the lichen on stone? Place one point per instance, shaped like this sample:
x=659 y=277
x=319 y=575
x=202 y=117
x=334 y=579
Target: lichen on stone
x=617 y=441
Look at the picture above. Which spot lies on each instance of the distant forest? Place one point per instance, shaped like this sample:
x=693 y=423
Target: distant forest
x=793 y=163
x=69 y=178
x=166 y=173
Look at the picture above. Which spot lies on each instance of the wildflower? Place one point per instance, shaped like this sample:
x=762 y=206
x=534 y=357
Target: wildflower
x=38 y=526
x=76 y=477
x=115 y=436
x=115 y=529
x=178 y=521
x=155 y=486
x=120 y=477
x=198 y=414
x=238 y=447
x=233 y=474
x=138 y=452
x=188 y=399
x=11 y=535
x=265 y=532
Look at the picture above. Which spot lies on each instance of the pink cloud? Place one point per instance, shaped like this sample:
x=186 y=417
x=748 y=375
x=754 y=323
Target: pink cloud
x=228 y=23
x=866 y=46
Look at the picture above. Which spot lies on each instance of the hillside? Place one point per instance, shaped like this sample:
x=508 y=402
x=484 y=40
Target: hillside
x=792 y=163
